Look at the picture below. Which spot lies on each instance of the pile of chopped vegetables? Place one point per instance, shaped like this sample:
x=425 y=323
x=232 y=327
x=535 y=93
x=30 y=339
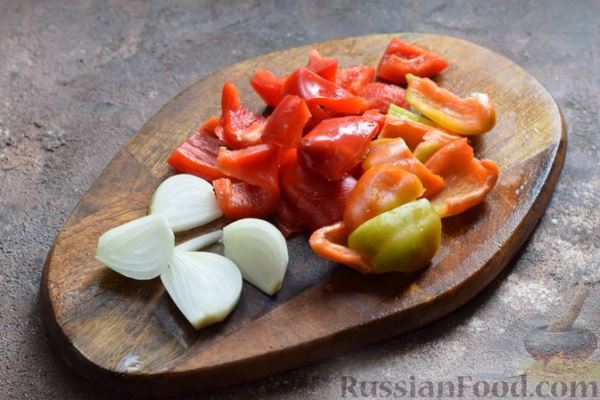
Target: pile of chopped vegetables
x=368 y=167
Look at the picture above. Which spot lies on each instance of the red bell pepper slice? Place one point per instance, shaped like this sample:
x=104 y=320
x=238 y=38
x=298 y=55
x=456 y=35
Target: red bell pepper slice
x=396 y=152
x=381 y=188
x=198 y=154
x=319 y=202
x=255 y=190
x=468 y=180
x=329 y=242
x=241 y=126
x=354 y=79
x=268 y=86
x=381 y=95
x=397 y=126
x=401 y=58
x=325 y=67
x=432 y=142
x=336 y=145
x=319 y=91
x=286 y=123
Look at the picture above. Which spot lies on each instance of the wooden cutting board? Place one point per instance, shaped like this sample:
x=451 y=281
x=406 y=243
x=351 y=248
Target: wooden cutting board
x=129 y=336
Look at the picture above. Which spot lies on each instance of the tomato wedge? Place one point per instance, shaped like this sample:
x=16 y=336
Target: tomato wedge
x=325 y=67
x=336 y=145
x=268 y=86
x=329 y=242
x=319 y=91
x=241 y=127
x=401 y=58
x=381 y=95
x=354 y=79
x=472 y=115
x=287 y=218
x=198 y=154
x=396 y=152
x=468 y=180
x=284 y=126
x=255 y=190
x=319 y=202
x=381 y=188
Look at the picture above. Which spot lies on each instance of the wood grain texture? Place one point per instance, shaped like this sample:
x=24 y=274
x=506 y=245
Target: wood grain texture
x=129 y=335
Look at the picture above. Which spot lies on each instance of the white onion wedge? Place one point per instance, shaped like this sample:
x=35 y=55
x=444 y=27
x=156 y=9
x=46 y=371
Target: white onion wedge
x=204 y=286
x=187 y=201
x=200 y=242
x=139 y=249
x=259 y=250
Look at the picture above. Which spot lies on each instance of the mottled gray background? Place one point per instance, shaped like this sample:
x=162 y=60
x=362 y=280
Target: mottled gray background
x=78 y=78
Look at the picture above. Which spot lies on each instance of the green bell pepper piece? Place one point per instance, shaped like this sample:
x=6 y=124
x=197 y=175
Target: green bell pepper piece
x=397 y=111
x=404 y=239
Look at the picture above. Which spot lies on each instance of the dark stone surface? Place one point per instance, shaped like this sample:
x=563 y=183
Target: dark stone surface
x=78 y=78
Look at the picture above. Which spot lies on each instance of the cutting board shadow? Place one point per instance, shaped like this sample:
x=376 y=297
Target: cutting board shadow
x=129 y=336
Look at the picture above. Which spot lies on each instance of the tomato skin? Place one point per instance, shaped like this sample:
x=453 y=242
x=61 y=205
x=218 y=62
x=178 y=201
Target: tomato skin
x=381 y=95
x=241 y=126
x=401 y=58
x=354 y=79
x=268 y=86
x=337 y=145
x=472 y=115
x=198 y=154
x=286 y=123
x=319 y=202
x=319 y=91
x=325 y=67
x=287 y=218
x=251 y=188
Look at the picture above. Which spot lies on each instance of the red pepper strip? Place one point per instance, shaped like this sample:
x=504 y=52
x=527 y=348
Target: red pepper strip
x=432 y=142
x=468 y=180
x=329 y=242
x=325 y=67
x=336 y=145
x=401 y=58
x=472 y=115
x=319 y=202
x=354 y=79
x=401 y=127
x=241 y=127
x=287 y=218
x=319 y=91
x=395 y=151
x=284 y=126
x=381 y=95
x=257 y=193
x=268 y=86
x=198 y=154
x=381 y=188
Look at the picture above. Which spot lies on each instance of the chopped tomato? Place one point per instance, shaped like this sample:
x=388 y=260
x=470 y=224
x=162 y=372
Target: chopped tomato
x=468 y=180
x=198 y=154
x=381 y=95
x=256 y=194
x=381 y=188
x=354 y=79
x=432 y=142
x=336 y=145
x=472 y=115
x=268 y=86
x=329 y=242
x=319 y=91
x=284 y=126
x=401 y=58
x=325 y=67
x=395 y=152
x=319 y=202
x=403 y=127
x=241 y=127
